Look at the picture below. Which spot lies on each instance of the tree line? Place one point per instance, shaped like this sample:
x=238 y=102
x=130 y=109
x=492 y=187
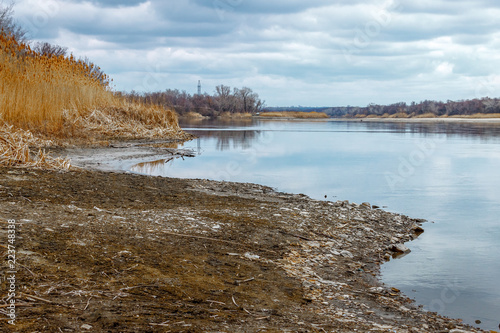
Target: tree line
x=224 y=100
x=484 y=105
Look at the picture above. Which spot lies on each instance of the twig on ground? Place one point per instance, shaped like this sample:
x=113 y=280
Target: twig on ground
x=37 y=298
x=17 y=305
x=235 y=302
x=165 y=323
x=139 y=286
x=88 y=302
x=238 y=282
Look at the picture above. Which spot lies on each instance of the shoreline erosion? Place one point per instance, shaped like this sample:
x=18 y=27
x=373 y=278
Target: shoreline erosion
x=121 y=252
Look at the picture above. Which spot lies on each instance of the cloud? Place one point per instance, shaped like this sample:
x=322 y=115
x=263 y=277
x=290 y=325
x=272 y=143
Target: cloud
x=290 y=52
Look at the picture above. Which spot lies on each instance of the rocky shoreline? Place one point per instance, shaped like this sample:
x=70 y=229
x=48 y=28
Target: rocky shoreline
x=114 y=252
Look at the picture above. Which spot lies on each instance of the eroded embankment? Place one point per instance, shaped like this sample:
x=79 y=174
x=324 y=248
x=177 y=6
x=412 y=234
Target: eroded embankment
x=114 y=252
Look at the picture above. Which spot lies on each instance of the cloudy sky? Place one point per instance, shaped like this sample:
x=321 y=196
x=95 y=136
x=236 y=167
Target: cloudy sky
x=291 y=52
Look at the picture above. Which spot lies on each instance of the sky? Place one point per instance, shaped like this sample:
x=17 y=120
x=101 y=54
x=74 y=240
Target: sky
x=290 y=52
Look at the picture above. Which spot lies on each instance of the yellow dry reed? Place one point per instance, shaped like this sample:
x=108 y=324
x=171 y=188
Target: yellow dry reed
x=48 y=95
x=61 y=97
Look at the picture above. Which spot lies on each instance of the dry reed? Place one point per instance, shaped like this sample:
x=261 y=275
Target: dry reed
x=426 y=115
x=478 y=116
x=49 y=94
x=61 y=97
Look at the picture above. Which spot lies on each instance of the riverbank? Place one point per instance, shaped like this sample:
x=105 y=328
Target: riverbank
x=106 y=251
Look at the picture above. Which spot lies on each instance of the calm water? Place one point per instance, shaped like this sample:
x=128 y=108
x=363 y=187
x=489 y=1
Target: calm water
x=446 y=173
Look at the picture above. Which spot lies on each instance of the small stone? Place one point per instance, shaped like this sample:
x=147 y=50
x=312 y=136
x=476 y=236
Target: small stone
x=86 y=327
x=347 y=254
x=418 y=229
x=251 y=256
x=478 y=321
x=400 y=248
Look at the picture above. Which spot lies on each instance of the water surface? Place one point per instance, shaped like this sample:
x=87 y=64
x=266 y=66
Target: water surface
x=446 y=173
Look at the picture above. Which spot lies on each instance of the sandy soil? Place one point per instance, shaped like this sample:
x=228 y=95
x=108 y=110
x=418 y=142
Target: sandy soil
x=113 y=252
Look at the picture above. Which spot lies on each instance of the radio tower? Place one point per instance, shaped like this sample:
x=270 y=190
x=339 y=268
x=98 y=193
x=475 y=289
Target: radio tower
x=199 y=88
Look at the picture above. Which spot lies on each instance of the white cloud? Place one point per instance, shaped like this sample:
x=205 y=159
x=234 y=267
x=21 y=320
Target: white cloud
x=290 y=52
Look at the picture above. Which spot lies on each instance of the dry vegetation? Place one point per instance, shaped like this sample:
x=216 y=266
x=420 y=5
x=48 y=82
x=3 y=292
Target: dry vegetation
x=479 y=116
x=15 y=150
x=237 y=115
x=58 y=97
x=194 y=115
x=295 y=114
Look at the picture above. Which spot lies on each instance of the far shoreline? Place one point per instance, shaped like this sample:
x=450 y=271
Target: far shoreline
x=421 y=120
x=492 y=121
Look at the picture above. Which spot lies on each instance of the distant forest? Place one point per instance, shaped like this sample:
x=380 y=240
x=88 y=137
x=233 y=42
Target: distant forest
x=224 y=100
x=426 y=108
x=244 y=100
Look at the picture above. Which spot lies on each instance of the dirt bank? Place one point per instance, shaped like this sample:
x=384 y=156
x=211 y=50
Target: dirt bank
x=114 y=252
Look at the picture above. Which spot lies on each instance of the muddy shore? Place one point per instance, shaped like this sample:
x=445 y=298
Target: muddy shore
x=114 y=252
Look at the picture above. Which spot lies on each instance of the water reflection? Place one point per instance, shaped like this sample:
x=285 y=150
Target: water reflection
x=481 y=130
x=151 y=168
x=226 y=140
x=217 y=122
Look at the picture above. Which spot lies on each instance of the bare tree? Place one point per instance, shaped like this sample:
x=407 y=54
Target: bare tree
x=8 y=25
x=49 y=50
x=224 y=99
x=95 y=71
x=248 y=100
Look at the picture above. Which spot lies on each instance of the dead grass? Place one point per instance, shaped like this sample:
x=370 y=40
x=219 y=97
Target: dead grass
x=426 y=115
x=237 y=115
x=295 y=114
x=478 y=116
x=15 y=150
x=399 y=115
x=194 y=115
x=126 y=120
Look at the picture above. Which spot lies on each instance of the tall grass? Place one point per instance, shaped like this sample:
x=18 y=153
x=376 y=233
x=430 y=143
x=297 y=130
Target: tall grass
x=57 y=97
x=61 y=96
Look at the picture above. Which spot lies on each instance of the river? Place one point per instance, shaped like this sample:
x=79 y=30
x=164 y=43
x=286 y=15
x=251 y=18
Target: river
x=447 y=173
